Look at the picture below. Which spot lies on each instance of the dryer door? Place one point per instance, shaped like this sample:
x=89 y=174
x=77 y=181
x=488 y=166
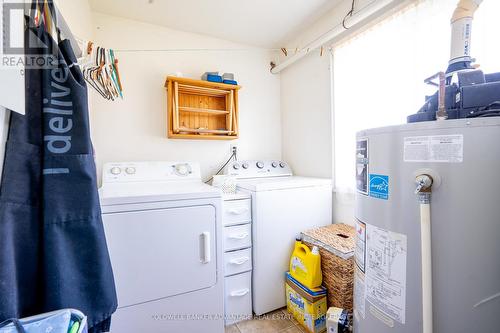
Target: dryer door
x=160 y=253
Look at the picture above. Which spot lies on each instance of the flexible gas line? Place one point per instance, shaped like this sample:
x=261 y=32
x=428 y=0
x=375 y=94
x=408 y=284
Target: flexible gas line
x=423 y=190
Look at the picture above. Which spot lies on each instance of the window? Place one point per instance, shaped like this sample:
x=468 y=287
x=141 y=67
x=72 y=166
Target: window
x=378 y=75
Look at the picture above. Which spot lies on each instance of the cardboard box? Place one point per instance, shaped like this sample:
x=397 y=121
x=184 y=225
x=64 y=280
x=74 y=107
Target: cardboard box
x=307 y=306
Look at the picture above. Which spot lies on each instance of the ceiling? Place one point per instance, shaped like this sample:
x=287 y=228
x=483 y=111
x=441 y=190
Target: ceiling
x=263 y=23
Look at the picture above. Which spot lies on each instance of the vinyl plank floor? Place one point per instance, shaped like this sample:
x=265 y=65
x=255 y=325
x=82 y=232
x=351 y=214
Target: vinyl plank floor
x=232 y=329
x=273 y=322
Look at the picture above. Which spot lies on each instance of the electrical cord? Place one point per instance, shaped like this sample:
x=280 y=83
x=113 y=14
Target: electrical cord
x=487 y=111
x=484 y=114
x=349 y=14
x=222 y=168
x=489 y=106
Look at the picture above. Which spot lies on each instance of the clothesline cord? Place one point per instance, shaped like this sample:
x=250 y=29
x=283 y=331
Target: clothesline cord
x=201 y=50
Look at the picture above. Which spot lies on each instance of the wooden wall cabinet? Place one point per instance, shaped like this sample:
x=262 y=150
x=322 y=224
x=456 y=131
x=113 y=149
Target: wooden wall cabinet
x=201 y=110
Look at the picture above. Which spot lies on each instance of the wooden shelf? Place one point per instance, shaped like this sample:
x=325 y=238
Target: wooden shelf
x=202 y=91
x=201 y=83
x=202 y=131
x=201 y=110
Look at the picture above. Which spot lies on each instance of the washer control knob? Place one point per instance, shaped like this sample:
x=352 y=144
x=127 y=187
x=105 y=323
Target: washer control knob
x=236 y=166
x=274 y=164
x=282 y=164
x=182 y=169
x=245 y=165
x=116 y=171
x=130 y=170
x=260 y=165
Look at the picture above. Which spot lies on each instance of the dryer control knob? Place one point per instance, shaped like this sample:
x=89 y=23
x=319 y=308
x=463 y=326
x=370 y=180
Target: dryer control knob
x=182 y=170
x=236 y=166
x=260 y=165
x=245 y=165
x=282 y=164
x=274 y=164
x=116 y=171
x=130 y=170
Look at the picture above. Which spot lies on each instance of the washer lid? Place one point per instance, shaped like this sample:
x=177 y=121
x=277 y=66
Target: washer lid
x=127 y=193
x=282 y=183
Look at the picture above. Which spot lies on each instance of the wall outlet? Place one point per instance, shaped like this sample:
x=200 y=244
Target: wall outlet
x=234 y=149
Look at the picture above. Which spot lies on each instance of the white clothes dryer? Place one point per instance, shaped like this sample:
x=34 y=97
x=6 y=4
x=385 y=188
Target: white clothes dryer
x=163 y=228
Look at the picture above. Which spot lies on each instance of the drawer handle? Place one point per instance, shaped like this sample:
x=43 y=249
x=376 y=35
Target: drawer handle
x=237 y=211
x=243 y=235
x=239 y=261
x=239 y=293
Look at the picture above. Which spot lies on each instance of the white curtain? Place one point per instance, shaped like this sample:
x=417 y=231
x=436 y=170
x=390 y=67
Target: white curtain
x=378 y=75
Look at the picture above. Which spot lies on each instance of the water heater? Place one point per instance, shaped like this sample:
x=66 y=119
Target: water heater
x=428 y=228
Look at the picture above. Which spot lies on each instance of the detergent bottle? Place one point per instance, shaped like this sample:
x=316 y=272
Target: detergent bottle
x=305 y=265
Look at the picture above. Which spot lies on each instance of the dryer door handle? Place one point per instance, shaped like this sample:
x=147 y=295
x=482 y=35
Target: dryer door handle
x=205 y=245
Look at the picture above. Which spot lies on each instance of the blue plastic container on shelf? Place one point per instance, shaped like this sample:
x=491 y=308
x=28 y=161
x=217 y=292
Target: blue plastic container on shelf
x=212 y=77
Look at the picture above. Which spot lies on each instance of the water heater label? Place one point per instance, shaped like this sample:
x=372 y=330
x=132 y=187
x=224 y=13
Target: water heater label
x=360 y=250
x=362 y=162
x=359 y=293
x=385 y=276
x=437 y=148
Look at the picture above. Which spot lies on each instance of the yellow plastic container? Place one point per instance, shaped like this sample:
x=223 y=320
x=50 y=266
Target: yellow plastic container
x=307 y=306
x=305 y=265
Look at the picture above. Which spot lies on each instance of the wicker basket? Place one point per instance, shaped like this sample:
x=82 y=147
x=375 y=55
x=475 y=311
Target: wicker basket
x=336 y=245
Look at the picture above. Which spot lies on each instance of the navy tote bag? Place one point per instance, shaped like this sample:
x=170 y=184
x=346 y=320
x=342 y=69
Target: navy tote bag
x=53 y=252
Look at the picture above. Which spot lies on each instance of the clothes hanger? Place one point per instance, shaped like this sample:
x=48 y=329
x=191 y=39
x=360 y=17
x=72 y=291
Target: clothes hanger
x=99 y=66
x=102 y=75
x=105 y=74
x=111 y=75
x=116 y=74
x=99 y=69
x=91 y=75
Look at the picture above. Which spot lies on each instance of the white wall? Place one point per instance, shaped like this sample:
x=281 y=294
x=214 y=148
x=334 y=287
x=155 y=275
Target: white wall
x=78 y=16
x=306 y=116
x=135 y=128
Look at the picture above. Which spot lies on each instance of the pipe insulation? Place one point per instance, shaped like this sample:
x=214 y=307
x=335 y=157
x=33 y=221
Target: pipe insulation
x=465 y=8
x=461 y=26
x=425 y=236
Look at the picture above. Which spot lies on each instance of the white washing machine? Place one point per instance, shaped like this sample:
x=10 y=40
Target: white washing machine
x=163 y=228
x=283 y=205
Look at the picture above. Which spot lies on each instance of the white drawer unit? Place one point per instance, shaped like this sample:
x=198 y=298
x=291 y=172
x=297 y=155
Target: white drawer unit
x=236 y=262
x=237 y=212
x=237 y=237
x=237 y=245
x=238 y=297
